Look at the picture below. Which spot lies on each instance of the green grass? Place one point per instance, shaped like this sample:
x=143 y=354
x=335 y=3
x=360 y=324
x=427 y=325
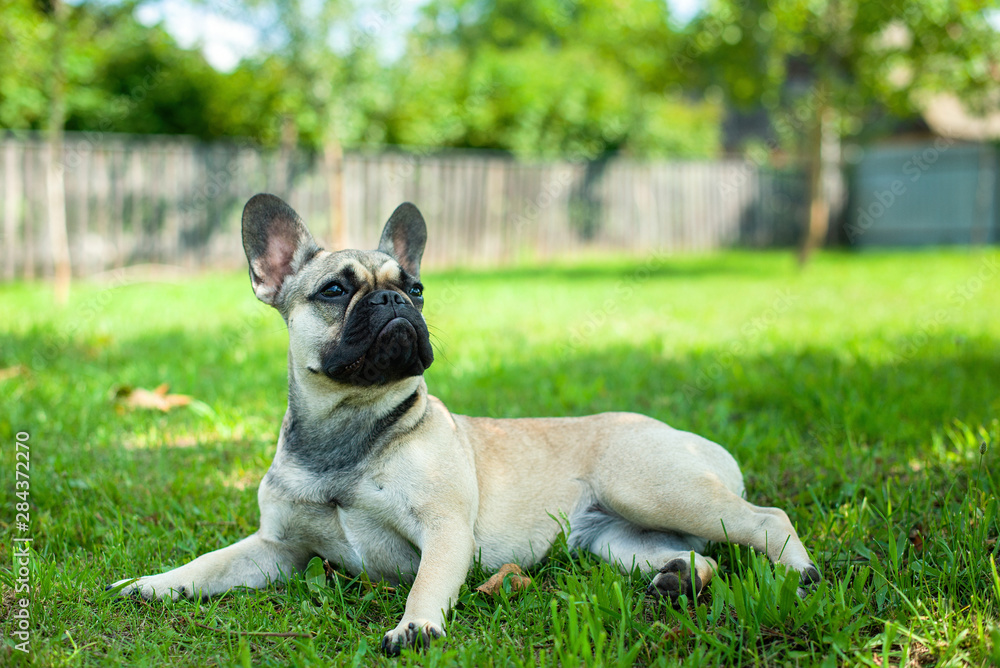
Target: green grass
x=856 y=395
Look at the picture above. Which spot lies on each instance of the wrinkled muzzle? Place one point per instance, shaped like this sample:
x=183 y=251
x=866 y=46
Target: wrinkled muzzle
x=383 y=341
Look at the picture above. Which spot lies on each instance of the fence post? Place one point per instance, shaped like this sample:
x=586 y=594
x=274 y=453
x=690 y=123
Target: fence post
x=12 y=199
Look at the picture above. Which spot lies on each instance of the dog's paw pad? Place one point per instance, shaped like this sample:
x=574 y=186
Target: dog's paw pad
x=390 y=647
x=673 y=580
x=418 y=634
x=153 y=587
x=123 y=596
x=809 y=575
x=126 y=589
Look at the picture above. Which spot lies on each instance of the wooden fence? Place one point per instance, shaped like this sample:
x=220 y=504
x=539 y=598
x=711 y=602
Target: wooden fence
x=136 y=200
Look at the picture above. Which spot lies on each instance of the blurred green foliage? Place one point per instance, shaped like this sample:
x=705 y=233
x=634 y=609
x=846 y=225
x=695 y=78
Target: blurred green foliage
x=554 y=77
x=122 y=76
x=577 y=78
x=872 y=62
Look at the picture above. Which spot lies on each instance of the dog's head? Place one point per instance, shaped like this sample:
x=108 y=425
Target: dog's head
x=354 y=317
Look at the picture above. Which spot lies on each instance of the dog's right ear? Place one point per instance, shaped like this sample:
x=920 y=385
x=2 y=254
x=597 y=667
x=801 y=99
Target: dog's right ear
x=277 y=244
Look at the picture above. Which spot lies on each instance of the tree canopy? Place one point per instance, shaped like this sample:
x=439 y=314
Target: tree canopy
x=872 y=62
x=578 y=78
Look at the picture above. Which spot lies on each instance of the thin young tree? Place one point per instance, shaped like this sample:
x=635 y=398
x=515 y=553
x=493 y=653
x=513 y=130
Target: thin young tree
x=55 y=186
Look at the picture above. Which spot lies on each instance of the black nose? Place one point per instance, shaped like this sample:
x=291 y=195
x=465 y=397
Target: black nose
x=384 y=297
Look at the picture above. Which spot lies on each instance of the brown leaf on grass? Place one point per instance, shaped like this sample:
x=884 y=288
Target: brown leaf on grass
x=153 y=399
x=518 y=580
x=12 y=372
x=916 y=537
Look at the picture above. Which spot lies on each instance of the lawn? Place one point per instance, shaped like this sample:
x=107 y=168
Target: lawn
x=861 y=395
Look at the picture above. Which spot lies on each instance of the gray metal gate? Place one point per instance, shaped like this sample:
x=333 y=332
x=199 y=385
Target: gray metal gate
x=928 y=193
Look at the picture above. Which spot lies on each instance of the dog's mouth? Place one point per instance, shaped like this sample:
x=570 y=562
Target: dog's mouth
x=397 y=351
x=351 y=368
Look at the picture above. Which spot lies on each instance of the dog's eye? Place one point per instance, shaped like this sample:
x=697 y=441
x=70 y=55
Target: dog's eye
x=416 y=291
x=333 y=291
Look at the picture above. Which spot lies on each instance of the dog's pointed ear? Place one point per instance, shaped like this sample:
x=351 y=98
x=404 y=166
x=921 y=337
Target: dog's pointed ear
x=277 y=244
x=404 y=237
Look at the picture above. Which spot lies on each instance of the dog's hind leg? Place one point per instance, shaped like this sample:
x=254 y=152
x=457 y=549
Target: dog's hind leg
x=688 y=485
x=706 y=508
x=667 y=556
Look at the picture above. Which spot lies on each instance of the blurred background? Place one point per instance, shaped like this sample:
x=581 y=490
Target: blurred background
x=133 y=132
x=618 y=193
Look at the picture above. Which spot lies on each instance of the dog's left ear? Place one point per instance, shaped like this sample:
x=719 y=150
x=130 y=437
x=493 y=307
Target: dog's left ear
x=277 y=244
x=404 y=238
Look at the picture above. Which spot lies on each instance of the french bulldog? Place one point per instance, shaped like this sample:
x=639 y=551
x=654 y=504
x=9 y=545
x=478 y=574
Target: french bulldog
x=374 y=474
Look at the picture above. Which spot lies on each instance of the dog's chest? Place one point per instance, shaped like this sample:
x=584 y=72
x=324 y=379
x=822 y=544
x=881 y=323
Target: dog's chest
x=358 y=524
x=364 y=541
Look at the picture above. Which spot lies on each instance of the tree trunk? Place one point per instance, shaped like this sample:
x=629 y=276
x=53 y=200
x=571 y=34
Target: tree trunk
x=13 y=198
x=55 y=186
x=821 y=159
x=289 y=143
x=333 y=159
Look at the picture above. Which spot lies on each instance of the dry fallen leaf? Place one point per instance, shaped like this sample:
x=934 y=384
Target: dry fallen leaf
x=518 y=580
x=155 y=399
x=916 y=538
x=12 y=372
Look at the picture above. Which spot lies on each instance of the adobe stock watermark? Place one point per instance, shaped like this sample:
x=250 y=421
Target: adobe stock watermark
x=550 y=193
x=912 y=169
x=218 y=182
x=958 y=298
x=86 y=312
x=438 y=137
x=88 y=140
x=827 y=430
x=759 y=156
x=444 y=294
x=781 y=304
x=373 y=21
x=598 y=316
x=713 y=30
x=21 y=606
x=557 y=186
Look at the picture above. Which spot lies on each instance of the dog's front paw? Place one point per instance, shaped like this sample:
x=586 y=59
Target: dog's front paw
x=808 y=578
x=417 y=633
x=673 y=580
x=153 y=587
